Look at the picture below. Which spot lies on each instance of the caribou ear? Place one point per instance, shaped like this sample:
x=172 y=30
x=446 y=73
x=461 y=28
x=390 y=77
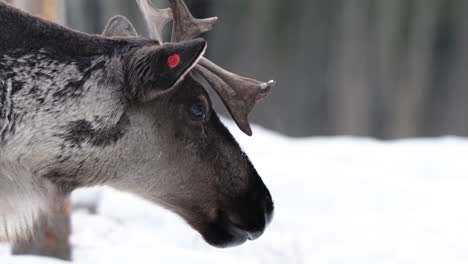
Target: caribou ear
x=154 y=70
x=119 y=26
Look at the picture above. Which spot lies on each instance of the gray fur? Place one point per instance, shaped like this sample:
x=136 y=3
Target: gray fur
x=75 y=112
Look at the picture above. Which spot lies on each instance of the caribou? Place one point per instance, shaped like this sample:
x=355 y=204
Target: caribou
x=126 y=111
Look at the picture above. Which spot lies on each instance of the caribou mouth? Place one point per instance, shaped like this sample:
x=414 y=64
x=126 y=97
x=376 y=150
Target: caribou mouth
x=233 y=228
x=223 y=233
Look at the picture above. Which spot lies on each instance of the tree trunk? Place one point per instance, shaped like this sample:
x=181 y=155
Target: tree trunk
x=348 y=75
x=456 y=111
x=415 y=79
x=51 y=234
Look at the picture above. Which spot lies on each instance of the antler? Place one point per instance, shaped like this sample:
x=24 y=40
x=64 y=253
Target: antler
x=239 y=94
x=156 y=18
x=186 y=27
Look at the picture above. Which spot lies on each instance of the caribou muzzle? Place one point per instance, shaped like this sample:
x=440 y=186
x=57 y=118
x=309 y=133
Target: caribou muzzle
x=244 y=218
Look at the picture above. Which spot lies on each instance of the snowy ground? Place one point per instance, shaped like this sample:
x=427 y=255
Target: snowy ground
x=338 y=200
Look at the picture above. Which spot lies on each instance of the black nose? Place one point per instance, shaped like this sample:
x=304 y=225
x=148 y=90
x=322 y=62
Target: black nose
x=245 y=217
x=254 y=212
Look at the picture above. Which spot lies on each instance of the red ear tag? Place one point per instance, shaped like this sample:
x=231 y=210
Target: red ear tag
x=173 y=61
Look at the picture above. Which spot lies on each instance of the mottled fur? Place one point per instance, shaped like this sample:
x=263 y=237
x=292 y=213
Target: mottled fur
x=78 y=110
x=49 y=112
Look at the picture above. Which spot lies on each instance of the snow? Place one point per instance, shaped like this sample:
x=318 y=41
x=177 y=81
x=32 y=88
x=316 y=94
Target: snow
x=338 y=200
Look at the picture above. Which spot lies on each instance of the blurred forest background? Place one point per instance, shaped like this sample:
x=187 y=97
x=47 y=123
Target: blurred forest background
x=379 y=68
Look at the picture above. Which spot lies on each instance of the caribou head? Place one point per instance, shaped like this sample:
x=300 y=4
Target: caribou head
x=125 y=111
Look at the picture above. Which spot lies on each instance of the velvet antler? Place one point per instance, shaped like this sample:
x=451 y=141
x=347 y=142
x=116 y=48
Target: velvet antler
x=239 y=94
x=156 y=19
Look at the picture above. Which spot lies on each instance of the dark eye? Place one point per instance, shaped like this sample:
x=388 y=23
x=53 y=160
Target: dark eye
x=198 y=111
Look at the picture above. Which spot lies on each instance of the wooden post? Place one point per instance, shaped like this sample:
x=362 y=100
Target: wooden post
x=51 y=234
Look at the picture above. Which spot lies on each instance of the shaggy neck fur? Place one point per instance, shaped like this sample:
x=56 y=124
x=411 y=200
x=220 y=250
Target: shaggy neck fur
x=46 y=70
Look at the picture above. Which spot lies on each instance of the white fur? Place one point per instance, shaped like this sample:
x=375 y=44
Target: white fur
x=22 y=198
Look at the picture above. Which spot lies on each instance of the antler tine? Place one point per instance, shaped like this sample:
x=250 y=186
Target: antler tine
x=186 y=27
x=156 y=18
x=239 y=94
